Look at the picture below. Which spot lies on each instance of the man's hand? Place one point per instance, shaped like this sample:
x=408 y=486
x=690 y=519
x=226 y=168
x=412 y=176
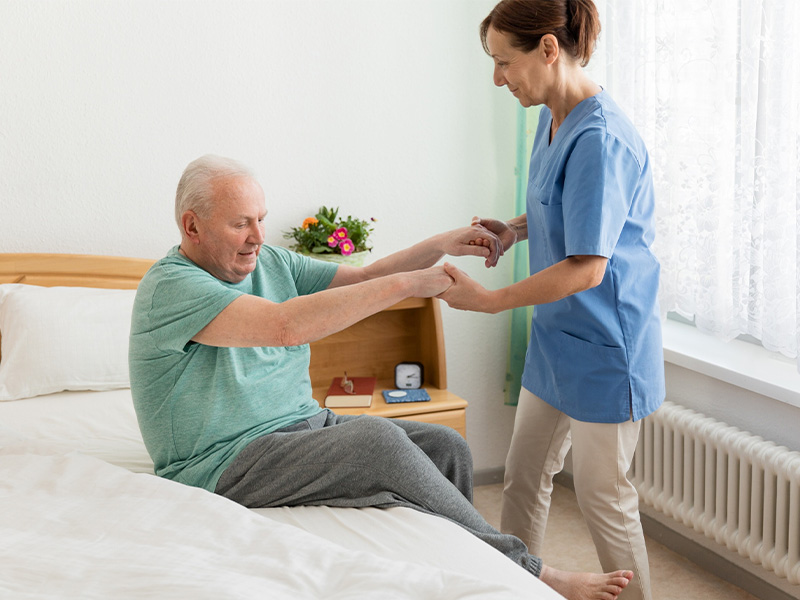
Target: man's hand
x=505 y=235
x=430 y=282
x=474 y=241
x=466 y=293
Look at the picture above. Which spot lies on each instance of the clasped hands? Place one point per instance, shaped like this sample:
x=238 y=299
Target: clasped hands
x=489 y=238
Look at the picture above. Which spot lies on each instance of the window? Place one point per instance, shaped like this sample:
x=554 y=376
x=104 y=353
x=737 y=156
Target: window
x=714 y=88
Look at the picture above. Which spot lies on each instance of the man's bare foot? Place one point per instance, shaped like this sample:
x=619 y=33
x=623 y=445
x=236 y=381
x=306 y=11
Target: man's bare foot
x=586 y=586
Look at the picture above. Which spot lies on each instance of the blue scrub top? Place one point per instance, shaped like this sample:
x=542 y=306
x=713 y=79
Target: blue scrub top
x=596 y=355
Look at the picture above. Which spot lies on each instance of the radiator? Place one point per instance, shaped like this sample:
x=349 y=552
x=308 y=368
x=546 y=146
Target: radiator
x=733 y=487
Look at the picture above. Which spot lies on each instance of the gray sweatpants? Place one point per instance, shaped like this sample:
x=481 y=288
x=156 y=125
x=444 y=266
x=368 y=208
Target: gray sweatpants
x=358 y=461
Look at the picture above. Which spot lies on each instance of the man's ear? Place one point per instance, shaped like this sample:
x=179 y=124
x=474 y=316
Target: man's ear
x=189 y=223
x=549 y=48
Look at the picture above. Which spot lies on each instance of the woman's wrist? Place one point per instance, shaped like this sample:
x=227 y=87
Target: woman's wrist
x=490 y=302
x=519 y=227
x=515 y=230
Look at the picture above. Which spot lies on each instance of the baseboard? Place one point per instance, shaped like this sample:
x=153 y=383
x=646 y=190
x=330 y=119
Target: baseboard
x=708 y=555
x=488 y=476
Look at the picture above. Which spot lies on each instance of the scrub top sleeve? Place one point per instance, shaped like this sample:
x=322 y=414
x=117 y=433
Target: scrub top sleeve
x=600 y=180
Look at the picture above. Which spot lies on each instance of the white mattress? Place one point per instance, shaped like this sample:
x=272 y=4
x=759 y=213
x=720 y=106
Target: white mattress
x=103 y=425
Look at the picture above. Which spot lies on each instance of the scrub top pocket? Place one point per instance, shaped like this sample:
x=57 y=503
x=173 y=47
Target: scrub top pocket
x=585 y=371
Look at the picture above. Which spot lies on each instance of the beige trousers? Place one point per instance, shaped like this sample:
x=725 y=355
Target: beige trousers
x=601 y=456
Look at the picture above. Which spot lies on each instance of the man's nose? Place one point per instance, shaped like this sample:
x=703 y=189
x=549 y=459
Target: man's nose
x=257 y=234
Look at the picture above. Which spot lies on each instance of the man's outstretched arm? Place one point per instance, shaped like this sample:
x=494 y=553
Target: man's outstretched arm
x=424 y=254
x=251 y=321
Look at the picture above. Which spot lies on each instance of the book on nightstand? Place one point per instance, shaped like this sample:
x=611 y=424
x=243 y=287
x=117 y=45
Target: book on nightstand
x=337 y=396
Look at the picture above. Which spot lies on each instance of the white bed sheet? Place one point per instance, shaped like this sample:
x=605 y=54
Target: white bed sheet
x=103 y=425
x=73 y=526
x=99 y=424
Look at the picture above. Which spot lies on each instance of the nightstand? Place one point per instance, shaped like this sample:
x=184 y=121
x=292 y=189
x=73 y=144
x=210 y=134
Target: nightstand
x=408 y=331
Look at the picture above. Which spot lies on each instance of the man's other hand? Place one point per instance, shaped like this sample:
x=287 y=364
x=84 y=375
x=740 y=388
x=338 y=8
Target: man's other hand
x=505 y=235
x=474 y=241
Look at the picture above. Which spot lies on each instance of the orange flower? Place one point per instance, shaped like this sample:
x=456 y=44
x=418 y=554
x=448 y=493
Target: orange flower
x=309 y=221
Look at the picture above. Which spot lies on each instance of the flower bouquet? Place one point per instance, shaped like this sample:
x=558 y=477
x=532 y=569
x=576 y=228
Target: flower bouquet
x=325 y=236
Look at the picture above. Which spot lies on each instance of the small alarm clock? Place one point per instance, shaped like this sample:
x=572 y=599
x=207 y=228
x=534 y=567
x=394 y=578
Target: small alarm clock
x=408 y=375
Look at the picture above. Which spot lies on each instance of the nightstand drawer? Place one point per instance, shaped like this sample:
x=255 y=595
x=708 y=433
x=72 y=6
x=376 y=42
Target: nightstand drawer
x=457 y=419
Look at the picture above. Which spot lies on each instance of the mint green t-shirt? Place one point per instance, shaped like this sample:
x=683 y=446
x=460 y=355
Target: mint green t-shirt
x=198 y=406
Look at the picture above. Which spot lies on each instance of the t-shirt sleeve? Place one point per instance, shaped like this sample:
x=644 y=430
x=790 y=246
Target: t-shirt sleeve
x=310 y=275
x=184 y=300
x=599 y=185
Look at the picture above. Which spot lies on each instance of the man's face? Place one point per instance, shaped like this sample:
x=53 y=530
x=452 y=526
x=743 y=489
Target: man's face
x=230 y=238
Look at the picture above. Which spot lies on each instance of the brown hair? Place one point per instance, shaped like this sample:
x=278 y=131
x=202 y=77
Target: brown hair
x=574 y=23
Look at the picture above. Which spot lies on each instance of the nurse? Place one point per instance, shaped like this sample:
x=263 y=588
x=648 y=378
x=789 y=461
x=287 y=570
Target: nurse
x=594 y=365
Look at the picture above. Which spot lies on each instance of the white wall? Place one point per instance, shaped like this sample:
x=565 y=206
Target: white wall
x=384 y=108
x=760 y=415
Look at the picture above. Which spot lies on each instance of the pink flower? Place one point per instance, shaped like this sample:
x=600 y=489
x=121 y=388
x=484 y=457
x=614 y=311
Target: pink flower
x=340 y=234
x=346 y=247
x=332 y=241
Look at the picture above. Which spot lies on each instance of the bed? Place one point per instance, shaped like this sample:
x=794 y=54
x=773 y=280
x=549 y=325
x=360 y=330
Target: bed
x=83 y=516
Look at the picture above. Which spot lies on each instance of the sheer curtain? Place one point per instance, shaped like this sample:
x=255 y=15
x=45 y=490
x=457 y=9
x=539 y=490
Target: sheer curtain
x=714 y=88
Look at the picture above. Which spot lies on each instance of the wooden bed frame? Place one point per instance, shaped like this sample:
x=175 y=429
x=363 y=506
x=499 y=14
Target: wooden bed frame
x=73 y=270
x=408 y=331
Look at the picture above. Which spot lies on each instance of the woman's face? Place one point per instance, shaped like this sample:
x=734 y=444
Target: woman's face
x=522 y=72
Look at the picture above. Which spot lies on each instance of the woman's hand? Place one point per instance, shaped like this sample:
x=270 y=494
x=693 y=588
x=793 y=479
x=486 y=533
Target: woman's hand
x=506 y=235
x=466 y=293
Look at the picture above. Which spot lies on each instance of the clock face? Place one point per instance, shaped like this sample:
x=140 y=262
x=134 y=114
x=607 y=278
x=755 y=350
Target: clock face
x=408 y=375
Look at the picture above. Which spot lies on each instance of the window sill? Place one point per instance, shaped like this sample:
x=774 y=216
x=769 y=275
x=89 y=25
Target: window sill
x=739 y=363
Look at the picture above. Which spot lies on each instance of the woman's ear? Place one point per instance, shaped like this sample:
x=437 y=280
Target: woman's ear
x=548 y=46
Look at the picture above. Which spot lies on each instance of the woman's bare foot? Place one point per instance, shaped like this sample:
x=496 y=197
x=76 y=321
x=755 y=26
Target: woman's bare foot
x=586 y=586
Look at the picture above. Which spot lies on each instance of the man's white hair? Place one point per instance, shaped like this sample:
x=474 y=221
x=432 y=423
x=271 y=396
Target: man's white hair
x=195 y=189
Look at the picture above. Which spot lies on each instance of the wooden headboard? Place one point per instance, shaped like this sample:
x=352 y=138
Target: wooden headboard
x=82 y=270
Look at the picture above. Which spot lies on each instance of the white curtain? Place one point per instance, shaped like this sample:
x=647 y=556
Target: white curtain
x=714 y=88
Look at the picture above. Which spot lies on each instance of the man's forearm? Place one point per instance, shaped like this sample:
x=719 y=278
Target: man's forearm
x=419 y=256
x=425 y=254
x=312 y=317
x=253 y=321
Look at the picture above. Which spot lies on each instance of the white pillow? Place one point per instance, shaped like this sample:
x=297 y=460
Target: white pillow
x=62 y=338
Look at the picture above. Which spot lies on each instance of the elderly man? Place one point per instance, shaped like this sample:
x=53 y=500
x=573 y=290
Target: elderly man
x=219 y=367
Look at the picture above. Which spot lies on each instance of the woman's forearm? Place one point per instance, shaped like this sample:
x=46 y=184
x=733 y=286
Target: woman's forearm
x=570 y=276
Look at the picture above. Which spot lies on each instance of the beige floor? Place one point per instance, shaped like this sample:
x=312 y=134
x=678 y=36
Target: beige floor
x=568 y=546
